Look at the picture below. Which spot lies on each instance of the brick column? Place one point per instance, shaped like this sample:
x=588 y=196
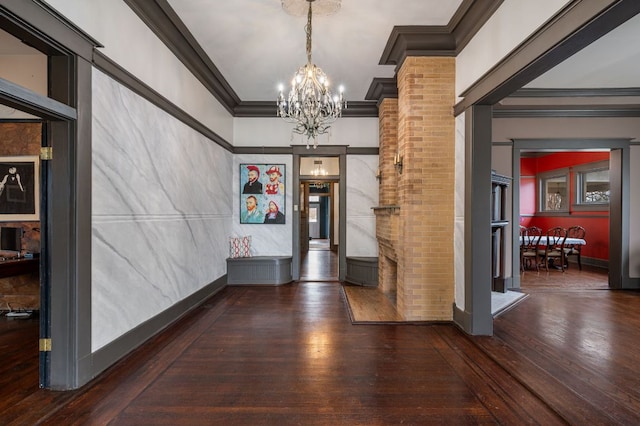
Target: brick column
x=426 y=133
x=388 y=144
x=386 y=220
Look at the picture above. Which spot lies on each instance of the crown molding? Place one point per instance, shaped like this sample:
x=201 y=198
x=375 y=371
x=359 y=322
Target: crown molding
x=382 y=88
x=438 y=40
x=404 y=41
x=165 y=23
x=576 y=93
x=564 y=111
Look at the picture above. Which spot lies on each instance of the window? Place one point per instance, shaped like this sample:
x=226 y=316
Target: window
x=313 y=214
x=592 y=184
x=554 y=192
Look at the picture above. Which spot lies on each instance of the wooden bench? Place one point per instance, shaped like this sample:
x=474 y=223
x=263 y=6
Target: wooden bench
x=273 y=270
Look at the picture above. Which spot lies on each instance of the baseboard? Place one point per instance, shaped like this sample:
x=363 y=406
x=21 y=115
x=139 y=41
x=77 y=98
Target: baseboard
x=590 y=261
x=111 y=353
x=462 y=319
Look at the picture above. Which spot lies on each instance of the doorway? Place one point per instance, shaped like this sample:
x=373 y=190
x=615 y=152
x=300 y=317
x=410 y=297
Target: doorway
x=319 y=259
x=65 y=183
x=320 y=226
x=618 y=149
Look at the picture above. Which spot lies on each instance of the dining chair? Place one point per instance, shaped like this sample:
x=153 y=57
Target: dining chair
x=574 y=249
x=529 y=247
x=554 y=249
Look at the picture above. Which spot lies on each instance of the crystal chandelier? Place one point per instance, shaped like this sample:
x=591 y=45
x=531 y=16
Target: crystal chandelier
x=310 y=106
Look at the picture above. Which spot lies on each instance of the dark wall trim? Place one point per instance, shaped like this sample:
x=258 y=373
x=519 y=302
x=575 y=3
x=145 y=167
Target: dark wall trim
x=382 y=88
x=447 y=40
x=267 y=109
x=462 y=318
x=66 y=281
x=164 y=22
x=21 y=120
x=576 y=93
x=127 y=79
x=469 y=18
x=103 y=357
x=62 y=36
x=363 y=151
x=33 y=103
x=542 y=111
x=573 y=28
x=477 y=220
x=438 y=40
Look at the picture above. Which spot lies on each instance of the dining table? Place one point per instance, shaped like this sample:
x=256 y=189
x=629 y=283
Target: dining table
x=568 y=240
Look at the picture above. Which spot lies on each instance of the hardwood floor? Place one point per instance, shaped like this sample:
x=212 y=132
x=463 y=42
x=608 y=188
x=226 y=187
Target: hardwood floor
x=289 y=355
x=319 y=265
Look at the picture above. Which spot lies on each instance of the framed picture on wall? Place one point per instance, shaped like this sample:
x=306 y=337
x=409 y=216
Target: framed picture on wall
x=20 y=188
x=262 y=193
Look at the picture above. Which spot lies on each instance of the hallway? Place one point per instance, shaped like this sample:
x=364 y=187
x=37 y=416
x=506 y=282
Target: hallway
x=289 y=355
x=319 y=265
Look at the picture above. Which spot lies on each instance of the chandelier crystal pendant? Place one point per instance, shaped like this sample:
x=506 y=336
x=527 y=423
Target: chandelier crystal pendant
x=310 y=106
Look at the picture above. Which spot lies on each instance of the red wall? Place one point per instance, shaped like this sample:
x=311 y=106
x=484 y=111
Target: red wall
x=596 y=223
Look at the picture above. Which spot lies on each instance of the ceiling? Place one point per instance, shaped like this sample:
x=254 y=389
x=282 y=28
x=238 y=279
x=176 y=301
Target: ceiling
x=256 y=46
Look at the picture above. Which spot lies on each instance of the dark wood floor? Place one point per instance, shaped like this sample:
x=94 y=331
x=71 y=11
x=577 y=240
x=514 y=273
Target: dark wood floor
x=319 y=265
x=289 y=355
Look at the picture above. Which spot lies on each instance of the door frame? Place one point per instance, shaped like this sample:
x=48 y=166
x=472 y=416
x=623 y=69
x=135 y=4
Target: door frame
x=65 y=330
x=339 y=151
x=619 y=170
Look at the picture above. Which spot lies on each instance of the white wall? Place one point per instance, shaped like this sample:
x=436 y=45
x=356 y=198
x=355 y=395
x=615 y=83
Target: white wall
x=362 y=195
x=505 y=129
x=271 y=239
x=161 y=210
x=512 y=23
x=354 y=132
x=29 y=71
x=131 y=44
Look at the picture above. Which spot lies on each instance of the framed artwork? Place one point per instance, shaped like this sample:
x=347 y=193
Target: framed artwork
x=20 y=188
x=262 y=193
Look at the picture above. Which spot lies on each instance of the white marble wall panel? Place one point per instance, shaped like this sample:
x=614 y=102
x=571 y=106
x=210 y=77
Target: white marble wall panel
x=161 y=210
x=270 y=239
x=362 y=195
x=458 y=229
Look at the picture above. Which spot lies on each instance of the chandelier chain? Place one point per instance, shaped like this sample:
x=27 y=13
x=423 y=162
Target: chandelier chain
x=308 y=31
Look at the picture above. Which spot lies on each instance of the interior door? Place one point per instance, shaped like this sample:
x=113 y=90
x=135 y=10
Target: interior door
x=304 y=217
x=314 y=220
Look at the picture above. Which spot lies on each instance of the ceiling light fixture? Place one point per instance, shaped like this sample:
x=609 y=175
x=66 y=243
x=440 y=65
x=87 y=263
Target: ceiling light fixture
x=310 y=104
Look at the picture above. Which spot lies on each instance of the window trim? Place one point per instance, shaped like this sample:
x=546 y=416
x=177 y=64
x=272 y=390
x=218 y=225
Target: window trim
x=540 y=179
x=578 y=172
